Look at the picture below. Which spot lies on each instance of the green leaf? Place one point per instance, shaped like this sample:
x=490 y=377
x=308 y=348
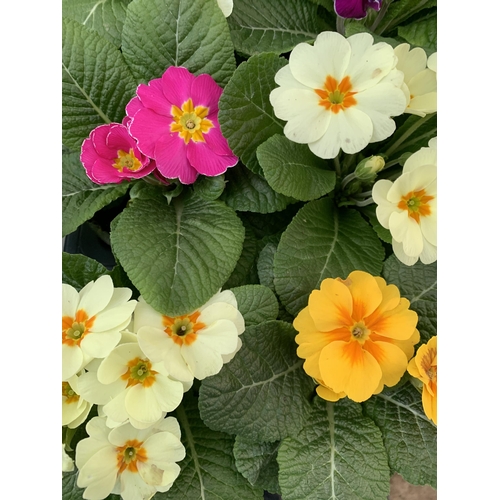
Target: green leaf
x=410 y=438
x=338 y=454
x=104 y=16
x=246 y=191
x=401 y=10
x=78 y=270
x=209 y=188
x=263 y=393
x=208 y=472
x=96 y=83
x=81 y=198
x=322 y=242
x=272 y=25
x=422 y=33
x=257 y=462
x=178 y=255
x=256 y=303
x=292 y=170
x=352 y=27
x=383 y=233
x=246 y=116
x=265 y=265
x=245 y=267
x=418 y=283
x=190 y=33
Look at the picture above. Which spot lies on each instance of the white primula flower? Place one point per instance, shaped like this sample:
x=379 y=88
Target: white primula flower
x=226 y=6
x=420 y=83
x=67 y=462
x=195 y=344
x=128 y=462
x=131 y=388
x=75 y=409
x=91 y=322
x=408 y=207
x=339 y=93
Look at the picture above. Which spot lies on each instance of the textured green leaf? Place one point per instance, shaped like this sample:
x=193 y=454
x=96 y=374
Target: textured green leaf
x=246 y=116
x=104 y=16
x=96 y=83
x=322 y=242
x=257 y=462
x=410 y=438
x=291 y=169
x=208 y=472
x=383 y=233
x=78 y=270
x=209 y=188
x=418 y=283
x=401 y=10
x=272 y=25
x=352 y=27
x=339 y=454
x=81 y=198
x=178 y=255
x=245 y=269
x=265 y=265
x=263 y=393
x=256 y=303
x=247 y=191
x=422 y=33
x=190 y=33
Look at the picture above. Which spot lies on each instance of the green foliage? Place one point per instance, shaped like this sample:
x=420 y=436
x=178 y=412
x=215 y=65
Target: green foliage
x=256 y=303
x=293 y=170
x=177 y=255
x=410 y=438
x=263 y=393
x=96 y=83
x=322 y=242
x=209 y=188
x=190 y=33
x=272 y=25
x=81 y=198
x=422 y=33
x=245 y=270
x=265 y=265
x=246 y=116
x=338 y=454
x=383 y=233
x=78 y=270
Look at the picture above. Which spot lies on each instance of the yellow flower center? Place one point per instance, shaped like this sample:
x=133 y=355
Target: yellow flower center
x=360 y=332
x=70 y=395
x=139 y=372
x=336 y=96
x=183 y=329
x=416 y=203
x=127 y=160
x=129 y=454
x=75 y=329
x=190 y=122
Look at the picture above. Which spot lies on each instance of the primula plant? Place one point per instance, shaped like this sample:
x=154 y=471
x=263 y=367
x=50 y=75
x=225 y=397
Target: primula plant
x=262 y=180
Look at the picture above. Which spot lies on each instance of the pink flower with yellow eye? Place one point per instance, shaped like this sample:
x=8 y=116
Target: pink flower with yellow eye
x=110 y=155
x=174 y=119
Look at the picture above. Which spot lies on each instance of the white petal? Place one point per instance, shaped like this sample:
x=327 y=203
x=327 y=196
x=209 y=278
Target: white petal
x=424 y=156
x=428 y=225
x=145 y=315
x=96 y=429
x=70 y=299
x=226 y=6
x=221 y=336
x=100 y=394
x=399 y=253
x=99 y=474
x=335 y=52
x=83 y=415
x=169 y=424
x=426 y=103
x=421 y=177
x=115 y=365
x=154 y=343
x=120 y=296
x=222 y=310
x=412 y=62
x=286 y=80
x=429 y=253
x=124 y=433
x=202 y=360
x=405 y=230
x=100 y=344
x=133 y=487
x=228 y=357
x=115 y=409
x=142 y=405
x=95 y=298
x=72 y=360
x=432 y=62
x=168 y=392
x=164 y=448
x=112 y=318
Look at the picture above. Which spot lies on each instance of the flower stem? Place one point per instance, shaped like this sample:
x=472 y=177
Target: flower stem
x=341 y=25
x=336 y=161
x=381 y=14
x=364 y=203
x=408 y=133
x=348 y=178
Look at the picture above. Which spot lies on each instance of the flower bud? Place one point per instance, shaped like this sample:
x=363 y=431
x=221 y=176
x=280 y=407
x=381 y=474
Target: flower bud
x=367 y=169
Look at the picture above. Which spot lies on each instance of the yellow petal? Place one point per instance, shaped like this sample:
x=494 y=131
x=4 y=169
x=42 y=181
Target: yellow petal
x=390 y=296
x=329 y=395
x=366 y=294
x=391 y=359
x=398 y=323
x=429 y=403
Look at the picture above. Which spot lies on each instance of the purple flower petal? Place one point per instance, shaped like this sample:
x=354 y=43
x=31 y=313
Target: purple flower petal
x=355 y=9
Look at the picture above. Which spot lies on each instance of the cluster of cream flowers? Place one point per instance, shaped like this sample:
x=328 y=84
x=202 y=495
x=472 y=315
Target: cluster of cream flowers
x=135 y=364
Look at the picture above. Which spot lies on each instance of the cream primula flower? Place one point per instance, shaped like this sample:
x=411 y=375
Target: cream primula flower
x=128 y=462
x=91 y=322
x=193 y=345
x=408 y=207
x=420 y=83
x=75 y=409
x=339 y=93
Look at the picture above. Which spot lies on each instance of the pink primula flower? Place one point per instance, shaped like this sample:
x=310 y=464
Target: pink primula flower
x=174 y=119
x=110 y=155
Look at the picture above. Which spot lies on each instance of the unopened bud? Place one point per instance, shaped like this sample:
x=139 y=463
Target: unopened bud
x=368 y=168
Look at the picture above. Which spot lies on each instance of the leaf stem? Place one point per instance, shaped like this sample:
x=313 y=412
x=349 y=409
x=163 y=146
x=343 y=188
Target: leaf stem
x=336 y=161
x=364 y=203
x=340 y=25
x=381 y=14
x=348 y=178
x=408 y=133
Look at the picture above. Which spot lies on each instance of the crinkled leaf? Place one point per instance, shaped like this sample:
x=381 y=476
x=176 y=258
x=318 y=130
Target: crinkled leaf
x=246 y=191
x=104 y=16
x=422 y=33
x=383 y=233
x=190 y=33
x=81 y=198
x=78 y=270
x=209 y=188
x=291 y=169
x=322 y=242
x=257 y=462
x=246 y=116
x=265 y=265
x=245 y=271
x=256 y=303
x=272 y=25
x=178 y=255
x=270 y=225
x=263 y=393
x=208 y=472
x=338 y=454
x=418 y=283
x=96 y=83
x=410 y=438
x=352 y=27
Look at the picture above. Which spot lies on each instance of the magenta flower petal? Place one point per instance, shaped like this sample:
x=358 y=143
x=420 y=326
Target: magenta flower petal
x=132 y=107
x=177 y=83
x=98 y=137
x=355 y=9
x=216 y=141
x=152 y=97
x=172 y=161
x=148 y=127
x=206 y=162
x=205 y=92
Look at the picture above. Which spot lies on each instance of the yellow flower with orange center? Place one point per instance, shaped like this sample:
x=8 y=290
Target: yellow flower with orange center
x=356 y=336
x=424 y=367
x=190 y=122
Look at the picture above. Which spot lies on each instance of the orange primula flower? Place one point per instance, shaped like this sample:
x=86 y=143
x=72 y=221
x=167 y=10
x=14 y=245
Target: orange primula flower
x=356 y=336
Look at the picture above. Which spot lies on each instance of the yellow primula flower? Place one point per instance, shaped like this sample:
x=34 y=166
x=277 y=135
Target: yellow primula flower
x=424 y=367
x=356 y=336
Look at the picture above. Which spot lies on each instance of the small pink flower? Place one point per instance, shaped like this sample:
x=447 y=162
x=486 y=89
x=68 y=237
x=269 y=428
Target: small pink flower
x=110 y=155
x=174 y=119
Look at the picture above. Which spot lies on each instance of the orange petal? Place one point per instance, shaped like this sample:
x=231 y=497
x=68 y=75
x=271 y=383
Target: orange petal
x=366 y=294
x=407 y=346
x=390 y=296
x=391 y=359
x=398 y=323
